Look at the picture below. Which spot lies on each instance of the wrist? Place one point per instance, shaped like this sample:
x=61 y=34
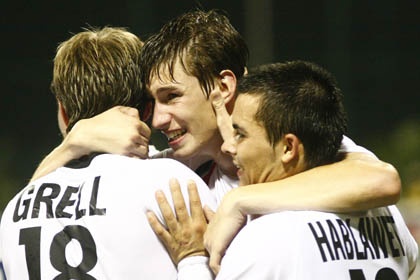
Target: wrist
x=71 y=145
x=247 y=200
x=234 y=202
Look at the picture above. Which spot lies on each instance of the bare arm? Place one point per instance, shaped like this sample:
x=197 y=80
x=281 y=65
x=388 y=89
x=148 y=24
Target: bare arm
x=117 y=130
x=357 y=183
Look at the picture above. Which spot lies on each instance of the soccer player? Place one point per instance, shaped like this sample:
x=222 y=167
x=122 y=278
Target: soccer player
x=87 y=219
x=288 y=118
x=192 y=58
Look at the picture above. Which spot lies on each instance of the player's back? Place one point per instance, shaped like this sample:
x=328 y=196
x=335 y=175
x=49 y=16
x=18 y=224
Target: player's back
x=88 y=221
x=319 y=245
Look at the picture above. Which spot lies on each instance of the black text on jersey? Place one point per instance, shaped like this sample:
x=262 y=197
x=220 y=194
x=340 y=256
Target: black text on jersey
x=368 y=238
x=59 y=202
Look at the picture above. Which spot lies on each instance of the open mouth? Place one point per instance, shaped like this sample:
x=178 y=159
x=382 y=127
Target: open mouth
x=173 y=135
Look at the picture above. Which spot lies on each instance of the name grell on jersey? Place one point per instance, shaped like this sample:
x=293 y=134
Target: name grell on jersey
x=376 y=238
x=59 y=202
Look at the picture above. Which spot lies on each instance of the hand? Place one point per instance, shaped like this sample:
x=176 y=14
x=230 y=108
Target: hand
x=184 y=236
x=117 y=130
x=222 y=228
x=223 y=119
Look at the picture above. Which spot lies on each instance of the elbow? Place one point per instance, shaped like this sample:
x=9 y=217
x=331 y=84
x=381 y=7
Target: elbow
x=391 y=183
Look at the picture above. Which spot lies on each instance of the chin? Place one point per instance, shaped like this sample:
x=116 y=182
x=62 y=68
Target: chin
x=243 y=183
x=183 y=153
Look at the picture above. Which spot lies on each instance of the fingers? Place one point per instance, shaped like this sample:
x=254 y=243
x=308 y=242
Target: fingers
x=166 y=211
x=133 y=112
x=178 y=200
x=222 y=116
x=157 y=227
x=138 y=149
x=183 y=235
x=195 y=202
x=144 y=130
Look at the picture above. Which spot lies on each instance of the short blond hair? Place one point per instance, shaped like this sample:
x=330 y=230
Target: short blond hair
x=97 y=69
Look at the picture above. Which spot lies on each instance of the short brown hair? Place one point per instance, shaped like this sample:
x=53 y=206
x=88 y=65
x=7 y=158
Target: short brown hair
x=95 y=70
x=302 y=98
x=205 y=43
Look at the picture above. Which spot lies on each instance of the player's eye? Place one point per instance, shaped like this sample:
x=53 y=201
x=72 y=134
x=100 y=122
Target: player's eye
x=171 y=96
x=238 y=135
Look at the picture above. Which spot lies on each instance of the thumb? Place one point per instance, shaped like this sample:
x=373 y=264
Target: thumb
x=223 y=119
x=208 y=213
x=130 y=111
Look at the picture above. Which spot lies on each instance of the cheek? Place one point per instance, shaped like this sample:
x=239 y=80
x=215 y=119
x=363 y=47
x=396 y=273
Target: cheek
x=255 y=162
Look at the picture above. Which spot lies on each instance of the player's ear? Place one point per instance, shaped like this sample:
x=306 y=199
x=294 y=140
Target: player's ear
x=227 y=87
x=292 y=148
x=62 y=113
x=147 y=111
x=63 y=119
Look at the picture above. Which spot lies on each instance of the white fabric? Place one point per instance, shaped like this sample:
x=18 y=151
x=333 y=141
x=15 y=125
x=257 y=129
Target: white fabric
x=153 y=151
x=2 y=275
x=283 y=246
x=221 y=184
x=348 y=146
x=194 y=268
x=113 y=234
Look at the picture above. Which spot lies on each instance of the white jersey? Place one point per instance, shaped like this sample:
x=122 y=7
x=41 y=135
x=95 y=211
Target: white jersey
x=89 y=222
x=319 y=245
x=2 y=275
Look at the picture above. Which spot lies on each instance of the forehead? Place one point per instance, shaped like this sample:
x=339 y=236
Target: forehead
x=163 y=78
x=245 y=108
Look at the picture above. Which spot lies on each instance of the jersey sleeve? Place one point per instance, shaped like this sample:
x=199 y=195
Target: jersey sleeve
x=193 y=268
x=348 y=146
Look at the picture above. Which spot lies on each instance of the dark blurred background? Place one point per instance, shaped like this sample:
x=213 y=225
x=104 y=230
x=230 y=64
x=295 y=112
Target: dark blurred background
x=372 y=47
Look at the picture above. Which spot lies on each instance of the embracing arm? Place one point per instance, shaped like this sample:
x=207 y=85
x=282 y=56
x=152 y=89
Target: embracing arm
x=117 y=130
x=358 y=182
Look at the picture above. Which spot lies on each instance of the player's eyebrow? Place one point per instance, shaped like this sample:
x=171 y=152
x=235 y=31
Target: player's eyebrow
x=238 y=128
x=164 y=89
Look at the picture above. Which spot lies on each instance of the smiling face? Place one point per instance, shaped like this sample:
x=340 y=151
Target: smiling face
x=184 y=114
x=258 y=161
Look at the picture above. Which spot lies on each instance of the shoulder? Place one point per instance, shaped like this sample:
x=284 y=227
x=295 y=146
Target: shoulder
x=263 y=244
x=127 y=164
x=277 y=229
x=283 y=229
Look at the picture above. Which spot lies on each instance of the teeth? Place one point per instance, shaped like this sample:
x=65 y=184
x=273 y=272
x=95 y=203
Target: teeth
x=175 y=134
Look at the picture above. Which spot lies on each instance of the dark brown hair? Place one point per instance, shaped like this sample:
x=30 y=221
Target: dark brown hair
x=205 y=43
